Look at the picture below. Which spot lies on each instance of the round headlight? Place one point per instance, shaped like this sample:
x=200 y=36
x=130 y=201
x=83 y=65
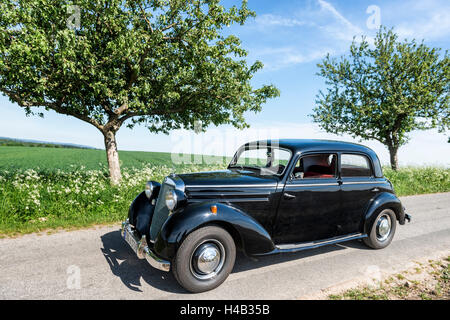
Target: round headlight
x=148 y=189
x=171 y=199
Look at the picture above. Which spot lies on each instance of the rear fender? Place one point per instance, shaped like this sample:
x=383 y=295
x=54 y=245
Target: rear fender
x=384 y=200
x=252 y=236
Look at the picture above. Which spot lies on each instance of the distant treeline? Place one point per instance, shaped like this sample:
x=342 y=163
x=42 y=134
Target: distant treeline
x=20 y=143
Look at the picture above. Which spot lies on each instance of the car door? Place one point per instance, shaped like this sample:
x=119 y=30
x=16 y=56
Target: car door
x=358 y=188
x=309 y=207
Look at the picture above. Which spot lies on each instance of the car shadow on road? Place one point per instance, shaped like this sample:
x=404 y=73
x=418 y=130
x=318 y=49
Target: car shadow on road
x=131 y=270
x=244 y=263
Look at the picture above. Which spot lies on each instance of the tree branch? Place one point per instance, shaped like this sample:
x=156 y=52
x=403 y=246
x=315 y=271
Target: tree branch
x=56 y=106
x=144 y=15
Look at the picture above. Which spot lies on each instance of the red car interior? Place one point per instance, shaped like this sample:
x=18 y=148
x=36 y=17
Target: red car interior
x=317 y=167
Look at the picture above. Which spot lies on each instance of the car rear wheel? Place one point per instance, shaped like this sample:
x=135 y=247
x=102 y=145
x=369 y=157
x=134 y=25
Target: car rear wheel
x=383 y=230
x=204 y=259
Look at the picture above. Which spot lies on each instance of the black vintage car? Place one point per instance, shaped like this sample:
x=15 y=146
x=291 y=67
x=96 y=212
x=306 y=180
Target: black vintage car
x=275 y=196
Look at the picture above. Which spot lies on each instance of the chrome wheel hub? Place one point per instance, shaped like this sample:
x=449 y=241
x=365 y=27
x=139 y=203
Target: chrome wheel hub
x=207 y=259
x=383 y=227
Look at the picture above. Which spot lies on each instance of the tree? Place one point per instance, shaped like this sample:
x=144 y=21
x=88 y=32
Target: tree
x=385 y=91
x=162 y=63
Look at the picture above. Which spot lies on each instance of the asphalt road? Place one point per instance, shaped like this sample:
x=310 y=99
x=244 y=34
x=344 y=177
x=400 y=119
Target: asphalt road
x=97 y=264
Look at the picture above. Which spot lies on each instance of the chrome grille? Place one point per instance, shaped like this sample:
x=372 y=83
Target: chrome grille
x=161 y=212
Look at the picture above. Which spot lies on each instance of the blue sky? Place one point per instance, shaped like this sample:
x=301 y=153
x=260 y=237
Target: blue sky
x=290 y=37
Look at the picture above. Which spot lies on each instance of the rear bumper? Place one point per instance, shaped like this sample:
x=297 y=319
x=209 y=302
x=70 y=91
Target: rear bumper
x=408 y=217
x=404 y=216
x=141 y=248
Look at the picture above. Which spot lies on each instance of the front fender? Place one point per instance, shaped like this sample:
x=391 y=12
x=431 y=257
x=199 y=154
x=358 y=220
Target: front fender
x=253 y=237
x=140 y=214
x=384 y=200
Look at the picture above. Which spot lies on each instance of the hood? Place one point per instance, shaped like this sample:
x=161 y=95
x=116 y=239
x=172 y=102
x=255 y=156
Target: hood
x=216 y=179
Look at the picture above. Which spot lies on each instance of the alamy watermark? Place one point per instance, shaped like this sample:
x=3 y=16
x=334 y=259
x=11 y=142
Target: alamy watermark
x=197 y=147
x=373 y=272
x=374 y=20
x=74 y=20
x=74 y=277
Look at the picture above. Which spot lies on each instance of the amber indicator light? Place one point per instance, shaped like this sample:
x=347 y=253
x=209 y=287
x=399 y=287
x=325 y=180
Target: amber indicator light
x=214 y=209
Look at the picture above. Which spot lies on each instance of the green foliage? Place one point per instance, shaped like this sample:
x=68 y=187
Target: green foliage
x=31 y=201
x=419 y=180
x=163 y=63
x=386 y=91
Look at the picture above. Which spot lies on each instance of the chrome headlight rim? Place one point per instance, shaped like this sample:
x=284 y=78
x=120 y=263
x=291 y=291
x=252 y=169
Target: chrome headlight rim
x=171 y=199
x=149 y=187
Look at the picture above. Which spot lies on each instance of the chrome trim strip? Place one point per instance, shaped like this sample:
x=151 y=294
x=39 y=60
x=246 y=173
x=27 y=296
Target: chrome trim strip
x=309 y=244
x=169 y=181
x=333 y=184
x=230 y=200
x=316 y=244
x=175 y=181
x=363 y=182
x=233 y=186
x=143 y=250
x=227 y=193
x=312 y=184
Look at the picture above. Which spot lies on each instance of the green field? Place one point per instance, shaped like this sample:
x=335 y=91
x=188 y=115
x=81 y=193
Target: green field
x=50 y=188
x=50 y=159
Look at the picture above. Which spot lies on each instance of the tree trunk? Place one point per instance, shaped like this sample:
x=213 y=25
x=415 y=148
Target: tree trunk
x=113 y=157
x=394 y=158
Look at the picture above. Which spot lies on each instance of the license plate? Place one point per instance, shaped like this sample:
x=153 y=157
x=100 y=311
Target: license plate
x=130 y=240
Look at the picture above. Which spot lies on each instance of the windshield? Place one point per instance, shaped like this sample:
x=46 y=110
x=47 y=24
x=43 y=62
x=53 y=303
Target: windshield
x=264 y=159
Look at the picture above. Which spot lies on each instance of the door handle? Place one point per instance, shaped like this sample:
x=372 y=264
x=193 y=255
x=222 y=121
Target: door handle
x=289 y=196
x=375 y=190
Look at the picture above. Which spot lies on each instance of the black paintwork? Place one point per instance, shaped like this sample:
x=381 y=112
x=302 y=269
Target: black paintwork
x=263 y=211
x=247 y=230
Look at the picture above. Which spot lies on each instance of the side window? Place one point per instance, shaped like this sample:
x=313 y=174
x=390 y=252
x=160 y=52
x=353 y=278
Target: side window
x=353 y=165
x=317 y=166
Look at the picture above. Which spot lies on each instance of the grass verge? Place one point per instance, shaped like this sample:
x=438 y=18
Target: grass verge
x=429 y=281
x=419 y=180
x=32 y=201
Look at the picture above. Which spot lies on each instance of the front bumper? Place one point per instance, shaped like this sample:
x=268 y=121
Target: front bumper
x=141 y=248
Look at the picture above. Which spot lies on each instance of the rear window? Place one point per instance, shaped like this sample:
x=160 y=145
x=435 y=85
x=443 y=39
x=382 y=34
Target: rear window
x=317 y=166
x=354 y=165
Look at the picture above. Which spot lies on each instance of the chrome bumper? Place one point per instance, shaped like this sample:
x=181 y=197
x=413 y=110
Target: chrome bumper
x=408 y=217
x=140 y=247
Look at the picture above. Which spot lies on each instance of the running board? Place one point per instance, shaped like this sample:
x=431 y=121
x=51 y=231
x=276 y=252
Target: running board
x=294 y=247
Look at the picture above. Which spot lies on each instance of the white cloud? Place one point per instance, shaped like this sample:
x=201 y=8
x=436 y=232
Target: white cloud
x=342 y=28
x=266 y=20
x=429 y=20
x=434 y=26
x=278 y=58
x=303 y=35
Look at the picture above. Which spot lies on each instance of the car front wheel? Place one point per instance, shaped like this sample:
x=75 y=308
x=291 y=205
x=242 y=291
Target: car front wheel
x=383 y=230
x=204 y=259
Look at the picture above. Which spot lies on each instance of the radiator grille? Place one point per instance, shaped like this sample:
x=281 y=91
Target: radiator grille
x=161 y=212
